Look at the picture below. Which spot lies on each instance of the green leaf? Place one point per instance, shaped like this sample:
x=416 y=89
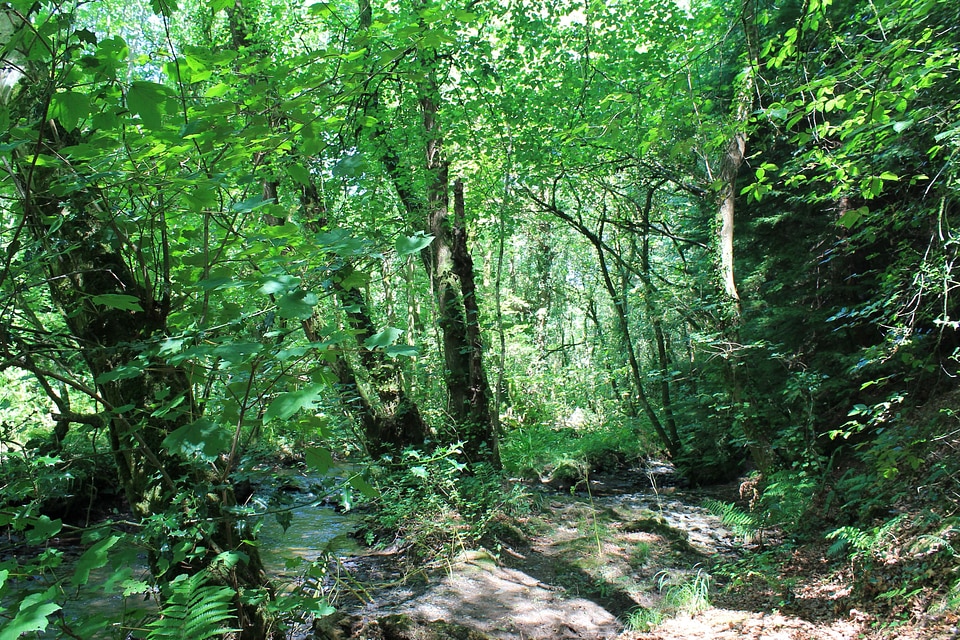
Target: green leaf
x=297 y=304
x=351 y=166
x=69 y=108
x=466 y=17
x=202 y=438
x=321 y=9
x=402 y=350
x=778 y=113
x=871 y=187
x=146 y=99
x=85 y=35
x=41 y=160
x=851 y=217
x=42 y=529
x=164 y=7
x=299 y=174
x=134 y=587
x=902 y=125
x=123 y=372
x=250 y=204
x=355 y=280
x=219 y=280
x=279 y=284
x=217 y=91
x=341 y=242
x=321 y=609
x=408 y=245
x=363 y=487
x=237 y=351
x=287 y=404
x=383 y=338
x=319 y=459
x=93 y=558
x=118 y=301
x=31 y=616
x=194 y=610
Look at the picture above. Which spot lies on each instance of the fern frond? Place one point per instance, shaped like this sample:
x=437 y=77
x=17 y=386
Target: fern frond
x=863 y=543
x=194 y=610
x=849 y=538
x=742 y=523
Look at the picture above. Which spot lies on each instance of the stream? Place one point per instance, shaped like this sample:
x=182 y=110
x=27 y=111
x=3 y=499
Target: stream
x=314 y=528
x=547 y=584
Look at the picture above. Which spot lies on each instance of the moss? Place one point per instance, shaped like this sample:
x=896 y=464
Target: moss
x=391 y=627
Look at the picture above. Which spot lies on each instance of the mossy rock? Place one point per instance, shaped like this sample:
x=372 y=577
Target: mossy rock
x=392 y=627
x=679 y=540
x=657 y=525
x=400 y=627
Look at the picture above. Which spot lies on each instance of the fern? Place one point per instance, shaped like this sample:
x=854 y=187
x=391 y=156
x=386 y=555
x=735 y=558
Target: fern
x=849 y=538
x=194 y=610
x=743 y=524
x=864 y=543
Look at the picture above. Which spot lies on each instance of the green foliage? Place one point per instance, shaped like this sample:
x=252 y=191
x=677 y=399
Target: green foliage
x=207 y=179
x=903 y=557
x=437 y=505
x=32 y=615
x=685 y=594
x=765 y=566
x=903 y=451
x=788 y=498
x=859 y=543
x=643 y=619
x=194 y=609
x=640 y=554
x=747 y=525
x=309 y=597
x=567 y=454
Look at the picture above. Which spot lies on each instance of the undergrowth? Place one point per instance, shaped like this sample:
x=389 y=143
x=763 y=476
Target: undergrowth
x=436 y=506
x=680 y=594
x=195 y=610
x=567 y=454
x=909 y=559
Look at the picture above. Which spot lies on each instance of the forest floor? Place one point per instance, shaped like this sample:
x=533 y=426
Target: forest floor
x=622 y=561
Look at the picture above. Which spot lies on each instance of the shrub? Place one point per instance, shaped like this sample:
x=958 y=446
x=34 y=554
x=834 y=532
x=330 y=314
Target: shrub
x=437 y=505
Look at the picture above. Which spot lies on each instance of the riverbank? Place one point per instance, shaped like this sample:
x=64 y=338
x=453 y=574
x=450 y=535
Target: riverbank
x=624 y=560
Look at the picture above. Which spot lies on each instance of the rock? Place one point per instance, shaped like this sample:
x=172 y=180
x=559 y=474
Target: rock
x=392 y=627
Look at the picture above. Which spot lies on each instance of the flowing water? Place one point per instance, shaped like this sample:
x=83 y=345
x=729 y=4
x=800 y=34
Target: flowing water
x=314 y=531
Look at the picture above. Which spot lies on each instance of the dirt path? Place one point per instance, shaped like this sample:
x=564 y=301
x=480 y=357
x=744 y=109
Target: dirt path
x=622 y=562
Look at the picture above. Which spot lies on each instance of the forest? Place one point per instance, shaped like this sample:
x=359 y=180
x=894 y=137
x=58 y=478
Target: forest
x=644 y=305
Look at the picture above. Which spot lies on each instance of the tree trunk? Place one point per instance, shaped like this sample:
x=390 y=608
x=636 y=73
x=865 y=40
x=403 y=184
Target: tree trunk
x=730 y=163
x=394 y=422
x=543 y=256
x=450 y=268
x=618 y=299
x=391 y=420
x=655 y=318
x=137 y=421
x=114 y=313
x=729 y=169
x=619 y=305
x=448 y=264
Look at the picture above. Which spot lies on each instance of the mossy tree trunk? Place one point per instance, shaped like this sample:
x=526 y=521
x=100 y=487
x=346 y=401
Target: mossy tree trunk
x=110 y=281
x=424 y=193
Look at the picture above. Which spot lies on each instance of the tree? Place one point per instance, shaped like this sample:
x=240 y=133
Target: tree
x=423 y=188
x=103 y=248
